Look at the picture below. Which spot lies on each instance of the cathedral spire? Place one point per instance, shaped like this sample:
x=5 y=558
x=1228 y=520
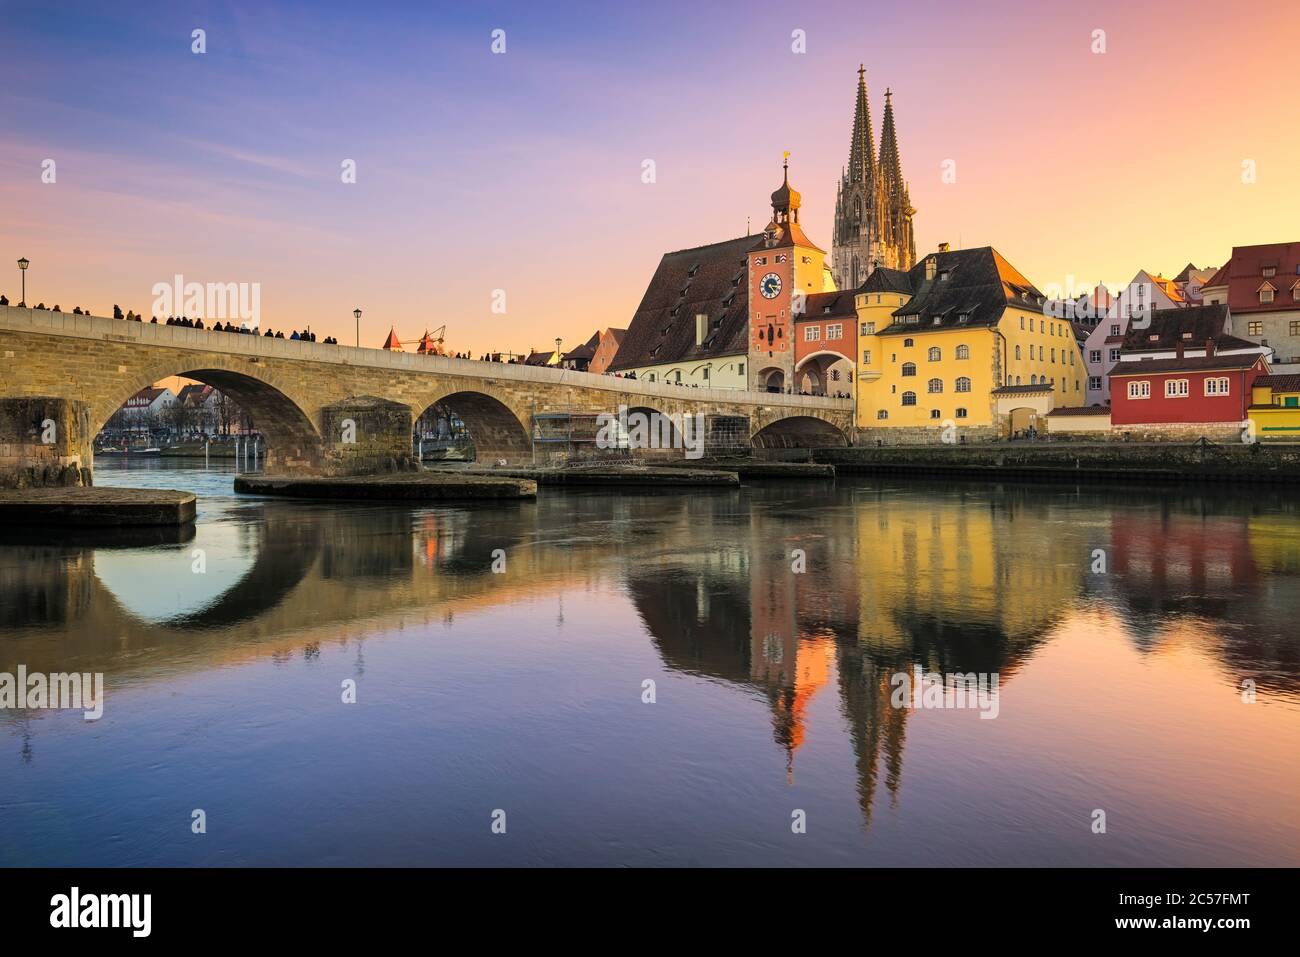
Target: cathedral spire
x=890 y=169
x=862 y=147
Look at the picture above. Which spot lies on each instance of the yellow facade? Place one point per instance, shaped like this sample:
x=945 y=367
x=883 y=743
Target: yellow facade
x=1275 y=413
x=931 y=376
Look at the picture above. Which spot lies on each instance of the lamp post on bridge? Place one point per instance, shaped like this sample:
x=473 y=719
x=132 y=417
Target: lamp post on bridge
x=22 y=271
x=356 y=314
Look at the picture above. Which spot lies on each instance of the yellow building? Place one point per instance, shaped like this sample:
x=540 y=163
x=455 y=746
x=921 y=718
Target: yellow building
x=1275 y=407
x=959 y=348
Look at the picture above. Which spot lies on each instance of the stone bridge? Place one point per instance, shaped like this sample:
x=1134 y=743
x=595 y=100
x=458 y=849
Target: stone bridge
x=332 y=409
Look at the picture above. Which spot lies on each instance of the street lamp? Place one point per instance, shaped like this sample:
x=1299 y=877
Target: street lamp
x=357 y=315
x=22 y=268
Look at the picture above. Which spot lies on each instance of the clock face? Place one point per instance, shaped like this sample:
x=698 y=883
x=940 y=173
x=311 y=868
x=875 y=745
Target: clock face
x=770 y=286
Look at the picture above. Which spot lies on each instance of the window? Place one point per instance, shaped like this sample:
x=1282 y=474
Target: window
x=882 y=414
x=909 y=368
x=934 y=386
x=1053 y=354
x=1114 y=355
x=961 y=413
x=1017 y=352
x=1176 y=388
x=909 y=398
x=1094 y=382
x=1255 y=328
x=963 y=384
x=866 y=357
x=1295 y=328
x=1217 y=386
x=1022 y=322
x=835 y=331
x=812 y=333
x=1266 y=295
x=868 y=328
x=907 y=343
x=1269 y=271
x=963 y=352
x=740 y=367
x=1139 y=390
x=1114 y=329
x=934 y=413
x=963 y=318
x=935 y=355
x=705 y=370
x=1042 y=325
x=1033 y=379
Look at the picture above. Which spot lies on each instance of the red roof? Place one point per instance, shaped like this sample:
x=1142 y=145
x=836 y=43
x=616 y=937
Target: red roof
x=392 y=342
x=1245 y=274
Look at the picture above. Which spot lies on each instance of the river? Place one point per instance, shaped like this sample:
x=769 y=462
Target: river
x=704 y=677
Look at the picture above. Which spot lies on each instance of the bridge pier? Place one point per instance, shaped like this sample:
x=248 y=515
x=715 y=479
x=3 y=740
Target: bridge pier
x=363 y=436
x=45 y=441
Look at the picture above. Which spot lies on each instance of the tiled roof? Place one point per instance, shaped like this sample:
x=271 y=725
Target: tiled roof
x=1245 y=275
x=1169 y=326
x=706 y=279
x=587 y=349
x=883 y=279
x=1081 y=410
x=818 y=305
x=980 y=284
x=1281 y=382
x=1023 y=389
x=1215 y=363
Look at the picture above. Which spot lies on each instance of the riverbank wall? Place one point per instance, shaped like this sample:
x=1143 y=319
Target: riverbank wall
x=1153 y=462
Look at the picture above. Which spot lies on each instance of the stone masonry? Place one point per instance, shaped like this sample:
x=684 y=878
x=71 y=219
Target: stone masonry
x=291 y=388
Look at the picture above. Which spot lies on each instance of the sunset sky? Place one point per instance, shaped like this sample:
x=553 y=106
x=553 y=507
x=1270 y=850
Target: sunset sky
x=522 y=171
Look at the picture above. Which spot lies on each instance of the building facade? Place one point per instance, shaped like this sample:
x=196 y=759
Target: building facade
x=960 y=345
x=873 y=211
x=1261 y=285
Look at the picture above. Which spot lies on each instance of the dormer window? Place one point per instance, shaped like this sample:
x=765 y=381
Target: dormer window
x=1268 y=272
x=944 y=274
x=930 y=265
x=963 y=318
x=693 y=270
x=1154 y=337
x=1187 y=335
x=1266 y=292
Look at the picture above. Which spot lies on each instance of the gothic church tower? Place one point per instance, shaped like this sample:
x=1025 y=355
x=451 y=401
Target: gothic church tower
x=873 y=212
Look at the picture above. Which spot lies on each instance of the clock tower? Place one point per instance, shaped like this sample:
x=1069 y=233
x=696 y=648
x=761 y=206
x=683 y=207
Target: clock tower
x=784 y=269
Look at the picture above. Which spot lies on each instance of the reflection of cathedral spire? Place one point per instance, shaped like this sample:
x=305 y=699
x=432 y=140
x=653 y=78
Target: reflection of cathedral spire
x=875 y=726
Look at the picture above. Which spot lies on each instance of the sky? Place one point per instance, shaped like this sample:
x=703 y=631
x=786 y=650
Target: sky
x=523 y=171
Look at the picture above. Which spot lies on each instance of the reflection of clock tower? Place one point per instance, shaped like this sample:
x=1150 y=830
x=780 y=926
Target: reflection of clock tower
x=784 y=267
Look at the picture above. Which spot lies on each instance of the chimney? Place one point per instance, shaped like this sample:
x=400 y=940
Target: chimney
x=1209 y=348
x=944 y=247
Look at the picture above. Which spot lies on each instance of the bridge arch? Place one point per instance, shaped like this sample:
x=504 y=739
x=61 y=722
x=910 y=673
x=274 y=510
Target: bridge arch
x=293 y=442
x=799 y=432
x=497 y=431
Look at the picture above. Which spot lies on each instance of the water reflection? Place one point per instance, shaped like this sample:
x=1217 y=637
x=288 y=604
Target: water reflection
x=805 y=598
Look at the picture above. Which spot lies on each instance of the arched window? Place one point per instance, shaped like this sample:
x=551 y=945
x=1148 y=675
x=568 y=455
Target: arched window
x=1017 y=352
x=934 y=413
x=961 y=413
x=907 y=343
x=934 y=385
x=963 y=384
x=1033 y=380
x=909 y=398
x=935 y=354
x=963 y=352
x=909 y=368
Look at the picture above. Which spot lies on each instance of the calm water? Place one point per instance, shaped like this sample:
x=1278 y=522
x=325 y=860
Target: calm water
x=1119 y=690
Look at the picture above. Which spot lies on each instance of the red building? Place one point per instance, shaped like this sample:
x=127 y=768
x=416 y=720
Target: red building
x=1212 y=387
x=825 y=343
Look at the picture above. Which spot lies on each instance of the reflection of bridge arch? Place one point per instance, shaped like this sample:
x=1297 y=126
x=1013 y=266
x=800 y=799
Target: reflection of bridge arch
x=291 y=438
x=497 y=430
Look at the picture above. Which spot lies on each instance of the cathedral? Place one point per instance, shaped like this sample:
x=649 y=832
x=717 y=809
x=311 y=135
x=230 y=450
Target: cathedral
x=873 y=212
